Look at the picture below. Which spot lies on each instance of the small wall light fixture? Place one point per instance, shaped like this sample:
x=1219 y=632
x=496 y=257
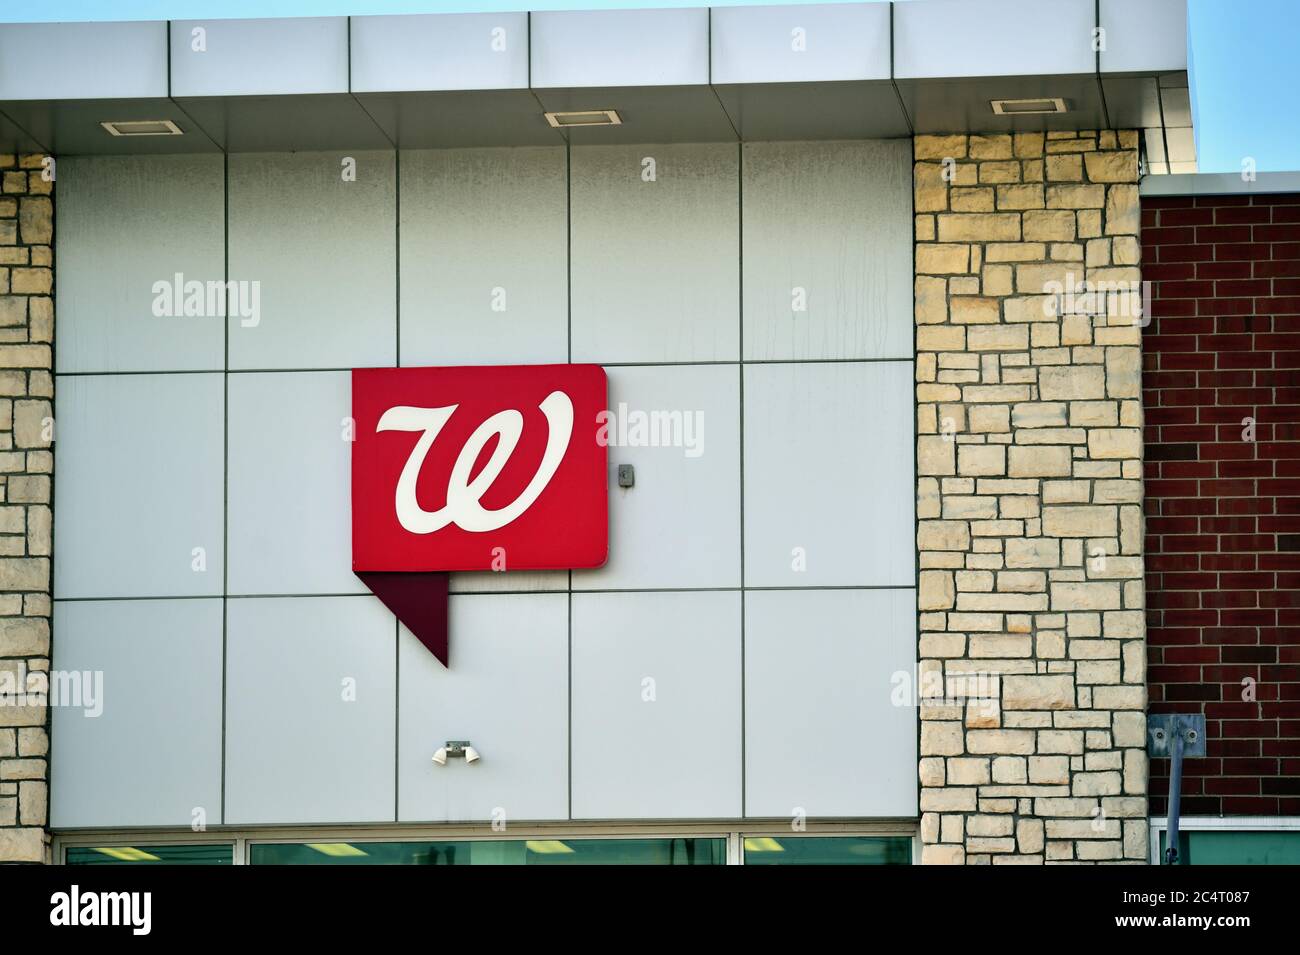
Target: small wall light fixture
x=455 y=749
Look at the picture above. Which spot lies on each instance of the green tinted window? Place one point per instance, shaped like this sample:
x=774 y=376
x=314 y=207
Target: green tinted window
x=209 y=854
x=1228 y=847
x=505 y=852
x=828 y=850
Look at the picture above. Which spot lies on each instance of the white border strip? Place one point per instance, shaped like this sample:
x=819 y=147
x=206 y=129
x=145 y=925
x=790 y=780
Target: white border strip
x=1219 y=184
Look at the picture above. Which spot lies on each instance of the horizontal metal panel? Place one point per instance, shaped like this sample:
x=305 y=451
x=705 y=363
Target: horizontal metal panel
x=663 y=114
x=472 y=51
x=620 y=48
x=259 y=57
x=954 y=105
x=867 y=109
x=1221 y=184
x=1143 y=35
x=72 y=127
x=959 y=38
x=1132 y=101
x=455 y=118
x=286 y=123
x=15 y=138
x=800 y=43
x=83 y=60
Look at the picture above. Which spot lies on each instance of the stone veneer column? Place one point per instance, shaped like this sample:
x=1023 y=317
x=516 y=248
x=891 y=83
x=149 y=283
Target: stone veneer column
x=1029 y=501
x=26 y=471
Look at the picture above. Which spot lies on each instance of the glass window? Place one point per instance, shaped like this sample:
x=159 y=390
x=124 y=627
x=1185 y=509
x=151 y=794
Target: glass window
x=205 y=854
x=828 y=850
x=493 y=852
x=1235 y=847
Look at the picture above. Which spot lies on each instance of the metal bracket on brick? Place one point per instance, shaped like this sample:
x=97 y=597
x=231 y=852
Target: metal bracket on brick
x=1175 y=736
x=1162 y=727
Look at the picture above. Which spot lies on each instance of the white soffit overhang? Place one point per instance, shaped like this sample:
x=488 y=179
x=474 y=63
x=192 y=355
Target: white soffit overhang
x=818 y=71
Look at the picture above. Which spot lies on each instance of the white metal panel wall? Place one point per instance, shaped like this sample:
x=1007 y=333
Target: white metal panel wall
x=679 y=525
x=461 y=306
x=823 y=734
x=288 y=467
x=826 y=274
x=322 y=247
x=139 y=502
x=147 y=750
x=310 y=693
x=797 y=483
x=656 y=705
x=504 y=693
x=656 y=237
x=137 y=221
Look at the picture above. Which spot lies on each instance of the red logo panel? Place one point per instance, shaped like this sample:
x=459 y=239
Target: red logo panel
x=478 y=468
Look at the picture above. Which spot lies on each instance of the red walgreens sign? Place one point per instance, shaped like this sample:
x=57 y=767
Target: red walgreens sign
x=491 y=468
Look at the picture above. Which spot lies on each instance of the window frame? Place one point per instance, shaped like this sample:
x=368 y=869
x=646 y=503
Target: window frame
x=1159 y=825
x=242 y=839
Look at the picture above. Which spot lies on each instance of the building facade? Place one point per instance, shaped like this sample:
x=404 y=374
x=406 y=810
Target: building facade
x=869 y=298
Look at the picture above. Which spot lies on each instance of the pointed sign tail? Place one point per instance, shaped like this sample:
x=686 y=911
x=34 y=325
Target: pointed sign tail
x=418 y=600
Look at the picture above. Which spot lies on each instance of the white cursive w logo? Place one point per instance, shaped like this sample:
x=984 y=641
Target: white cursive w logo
x=463 y=506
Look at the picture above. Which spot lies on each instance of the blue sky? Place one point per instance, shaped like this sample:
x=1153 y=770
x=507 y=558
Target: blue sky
x=1245 y=67
x=1244 y=55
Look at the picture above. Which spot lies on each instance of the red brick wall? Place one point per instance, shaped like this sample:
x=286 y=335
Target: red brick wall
x=1223 y=513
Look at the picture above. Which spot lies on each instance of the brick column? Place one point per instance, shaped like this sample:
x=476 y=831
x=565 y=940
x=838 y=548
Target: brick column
x=1029 y=507
x=26 y=472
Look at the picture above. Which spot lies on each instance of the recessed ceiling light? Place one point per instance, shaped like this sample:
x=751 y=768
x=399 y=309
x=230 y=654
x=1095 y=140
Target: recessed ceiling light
x=143 y=127
x=548 y=847
x=128 y=854
x=1009 y=107
x=585 y=117
x=336 y=849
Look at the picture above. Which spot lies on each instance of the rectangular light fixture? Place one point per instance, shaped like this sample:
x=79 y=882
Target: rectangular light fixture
x=1020 y=107
x=585 y=117
x=143 y=127
x=336 y=849
x=128 y=854
x=546 y=847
